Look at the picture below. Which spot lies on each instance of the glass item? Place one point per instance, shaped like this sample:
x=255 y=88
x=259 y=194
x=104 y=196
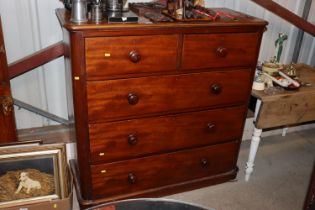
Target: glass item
x=273 y=90
x=259 y=82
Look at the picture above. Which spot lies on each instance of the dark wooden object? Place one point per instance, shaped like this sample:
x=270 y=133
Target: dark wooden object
x=109 y=99
x=287 y=15
x=138 y=51
x=159 y=108
x=35 y=60
x=310 y=196
x=141 y=175
x=163 y=134
x=7 y=119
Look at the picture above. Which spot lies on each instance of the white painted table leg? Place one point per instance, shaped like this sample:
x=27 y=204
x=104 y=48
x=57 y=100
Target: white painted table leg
x=252 y=153
x=284 y=131
x=253 y=145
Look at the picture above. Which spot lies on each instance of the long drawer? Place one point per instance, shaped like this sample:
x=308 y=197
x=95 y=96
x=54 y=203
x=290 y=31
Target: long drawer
x=162 y=170
x=128 y=98
x=139 y=137
x=107 y=56
x=219 y=50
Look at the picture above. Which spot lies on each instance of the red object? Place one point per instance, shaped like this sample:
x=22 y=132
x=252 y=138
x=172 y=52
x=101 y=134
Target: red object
x=217 y=15
x=224 y=14
x=205 y=14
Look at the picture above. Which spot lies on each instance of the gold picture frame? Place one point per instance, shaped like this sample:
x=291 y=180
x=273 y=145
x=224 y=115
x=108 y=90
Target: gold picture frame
x=32 y=174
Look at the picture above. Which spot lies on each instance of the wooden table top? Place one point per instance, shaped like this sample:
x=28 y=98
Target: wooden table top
x=288 y=107
x=306 y=74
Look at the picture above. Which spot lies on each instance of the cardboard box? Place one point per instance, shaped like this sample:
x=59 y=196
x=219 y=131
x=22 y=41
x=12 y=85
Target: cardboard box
x=60 y=204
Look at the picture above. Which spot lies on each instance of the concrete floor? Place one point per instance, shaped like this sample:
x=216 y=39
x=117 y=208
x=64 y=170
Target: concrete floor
x=281 y=175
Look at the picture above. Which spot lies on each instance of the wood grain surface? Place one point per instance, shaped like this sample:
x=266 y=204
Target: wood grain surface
x=219 y=50
x=288 y=107
x=7 y=119
x=161 y=170
x=142 y=137
x=157 y=53
x=109 y=99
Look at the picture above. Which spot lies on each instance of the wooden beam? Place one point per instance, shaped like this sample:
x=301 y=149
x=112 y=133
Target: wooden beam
x=48 y=134
x=7 y=119
x=36 y=59
x=287 y=15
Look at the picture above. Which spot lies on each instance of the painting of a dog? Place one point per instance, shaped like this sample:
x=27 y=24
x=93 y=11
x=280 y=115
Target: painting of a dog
x=28 y=183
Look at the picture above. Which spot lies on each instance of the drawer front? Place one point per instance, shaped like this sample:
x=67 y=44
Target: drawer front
x=161 y=170
x=139 y=137
x=219 y=50
x=107 y=56
x=129 y=98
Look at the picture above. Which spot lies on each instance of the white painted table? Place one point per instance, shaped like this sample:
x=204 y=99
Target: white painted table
x=282 y=109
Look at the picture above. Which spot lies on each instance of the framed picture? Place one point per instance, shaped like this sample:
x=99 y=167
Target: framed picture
x=32 y=174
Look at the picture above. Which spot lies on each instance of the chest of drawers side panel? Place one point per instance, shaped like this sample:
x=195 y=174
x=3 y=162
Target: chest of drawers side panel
x=80 y=111
x=252 y=65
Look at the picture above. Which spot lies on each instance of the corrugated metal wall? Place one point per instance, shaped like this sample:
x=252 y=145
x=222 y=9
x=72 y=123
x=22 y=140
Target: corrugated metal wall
x=30 y=25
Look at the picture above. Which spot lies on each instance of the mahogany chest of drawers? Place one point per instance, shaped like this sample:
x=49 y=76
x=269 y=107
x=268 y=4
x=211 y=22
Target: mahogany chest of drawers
x=158 y=108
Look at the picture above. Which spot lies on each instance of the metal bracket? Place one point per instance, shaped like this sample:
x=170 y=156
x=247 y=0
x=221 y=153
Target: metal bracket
x=41 y=112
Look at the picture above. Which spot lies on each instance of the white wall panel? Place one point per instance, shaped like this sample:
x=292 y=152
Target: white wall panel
x=30 y=25
x=308 y=45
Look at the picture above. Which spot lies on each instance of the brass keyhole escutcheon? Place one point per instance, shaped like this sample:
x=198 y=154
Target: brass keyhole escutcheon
x=6 y=105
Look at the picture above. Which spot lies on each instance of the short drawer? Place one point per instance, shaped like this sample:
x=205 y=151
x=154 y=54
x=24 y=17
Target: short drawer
x=139 y=137
x=161 y=170
x=129 y=98
x=107 y=56
x=219 y=50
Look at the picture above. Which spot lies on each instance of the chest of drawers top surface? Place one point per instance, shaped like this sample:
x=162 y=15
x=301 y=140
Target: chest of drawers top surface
x=240 y=19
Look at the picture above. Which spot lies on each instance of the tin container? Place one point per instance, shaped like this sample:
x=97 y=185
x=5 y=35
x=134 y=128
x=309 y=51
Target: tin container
x=79 y=11
x=114 y=5
x=97 y=13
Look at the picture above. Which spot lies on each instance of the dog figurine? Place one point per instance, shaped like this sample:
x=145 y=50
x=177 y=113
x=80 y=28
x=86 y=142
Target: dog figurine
x=27 y=183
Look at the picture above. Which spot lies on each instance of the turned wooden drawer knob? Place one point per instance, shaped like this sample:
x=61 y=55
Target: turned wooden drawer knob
x=216 y=89
x=132 y=98
x=210 y=126
x=132 y=139
x=134 y=56
x=222 y=52
x=132 y=178
x=204 y=162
